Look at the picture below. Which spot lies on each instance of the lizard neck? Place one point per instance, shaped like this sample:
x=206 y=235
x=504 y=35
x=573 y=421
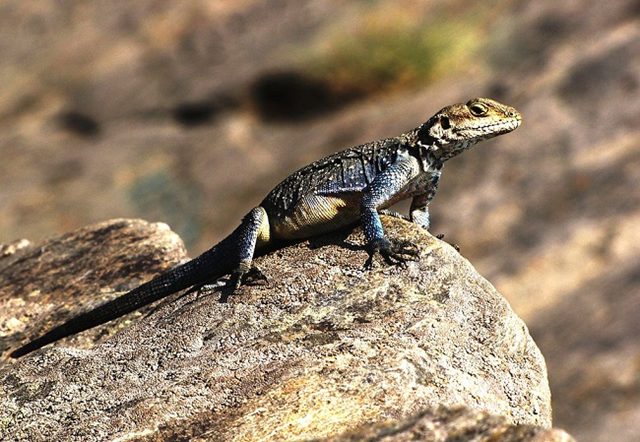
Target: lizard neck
x=429 y=155
x=426 y=149
x=434 y=151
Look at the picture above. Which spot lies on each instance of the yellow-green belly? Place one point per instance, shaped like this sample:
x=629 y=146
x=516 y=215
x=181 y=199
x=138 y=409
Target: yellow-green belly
x=317 y=214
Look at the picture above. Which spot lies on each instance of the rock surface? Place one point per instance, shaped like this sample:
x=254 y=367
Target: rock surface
x=320 y=350
x=457 y=424
x=42 y=285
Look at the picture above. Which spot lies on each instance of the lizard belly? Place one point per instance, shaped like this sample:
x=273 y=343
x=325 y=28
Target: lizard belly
x=317 y=214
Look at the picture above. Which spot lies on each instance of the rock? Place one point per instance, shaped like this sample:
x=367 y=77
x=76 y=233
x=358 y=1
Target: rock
x=458 y=424
x=43 y=285
x=321 y=349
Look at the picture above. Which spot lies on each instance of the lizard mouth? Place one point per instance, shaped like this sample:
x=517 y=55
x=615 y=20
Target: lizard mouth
x=493 y=129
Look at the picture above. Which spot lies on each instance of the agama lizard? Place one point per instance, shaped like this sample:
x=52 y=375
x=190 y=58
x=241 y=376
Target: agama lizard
x=344 y=188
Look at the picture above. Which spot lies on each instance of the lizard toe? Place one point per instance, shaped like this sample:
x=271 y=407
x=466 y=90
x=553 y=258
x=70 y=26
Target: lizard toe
x=246 y=275
x=393 y=252
x=400 y=251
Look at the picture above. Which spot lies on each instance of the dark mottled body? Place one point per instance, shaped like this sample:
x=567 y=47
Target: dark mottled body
x=341 y=189
x=325 y=195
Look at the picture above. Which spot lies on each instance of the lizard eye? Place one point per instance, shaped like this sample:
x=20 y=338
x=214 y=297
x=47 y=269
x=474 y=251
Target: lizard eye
x=445 y=123
x=478 y=109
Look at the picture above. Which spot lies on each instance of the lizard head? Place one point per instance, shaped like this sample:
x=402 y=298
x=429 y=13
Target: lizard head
x=458 y=127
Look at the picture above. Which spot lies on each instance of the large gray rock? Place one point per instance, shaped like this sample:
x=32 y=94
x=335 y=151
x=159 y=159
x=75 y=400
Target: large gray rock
x=322 y=348
x=451 y=424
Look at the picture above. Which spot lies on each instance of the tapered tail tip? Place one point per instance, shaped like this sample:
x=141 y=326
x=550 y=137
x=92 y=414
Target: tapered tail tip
x=25 y=349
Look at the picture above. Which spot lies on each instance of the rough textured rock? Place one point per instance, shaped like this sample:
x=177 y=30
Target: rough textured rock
x=323 y=348
x=42 y=285
x=457 y=424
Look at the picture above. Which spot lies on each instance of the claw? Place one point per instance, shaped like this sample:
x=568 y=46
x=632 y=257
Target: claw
x=394 y=252
x=246 y=276
x=243 y=275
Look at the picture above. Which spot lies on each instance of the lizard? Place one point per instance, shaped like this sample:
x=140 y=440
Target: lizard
x=347 y=187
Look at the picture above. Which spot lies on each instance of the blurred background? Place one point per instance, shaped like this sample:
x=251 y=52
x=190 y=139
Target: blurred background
x=190 y=112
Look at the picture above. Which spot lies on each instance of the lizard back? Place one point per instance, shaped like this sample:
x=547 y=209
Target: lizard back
x=325 y=195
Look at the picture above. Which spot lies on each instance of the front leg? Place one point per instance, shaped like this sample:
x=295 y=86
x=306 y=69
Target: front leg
x=420 y=210
x=420 y=204
x=384 y=189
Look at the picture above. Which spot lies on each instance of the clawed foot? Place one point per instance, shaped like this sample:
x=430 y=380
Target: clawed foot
x=393 y=251
x=243 y=276
x=250 y=276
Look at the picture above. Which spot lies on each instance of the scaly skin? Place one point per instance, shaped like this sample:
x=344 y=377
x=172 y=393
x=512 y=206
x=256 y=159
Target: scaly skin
x=344 y=188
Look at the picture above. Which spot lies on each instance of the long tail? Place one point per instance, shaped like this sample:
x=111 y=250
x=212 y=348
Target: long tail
x=218 y=261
